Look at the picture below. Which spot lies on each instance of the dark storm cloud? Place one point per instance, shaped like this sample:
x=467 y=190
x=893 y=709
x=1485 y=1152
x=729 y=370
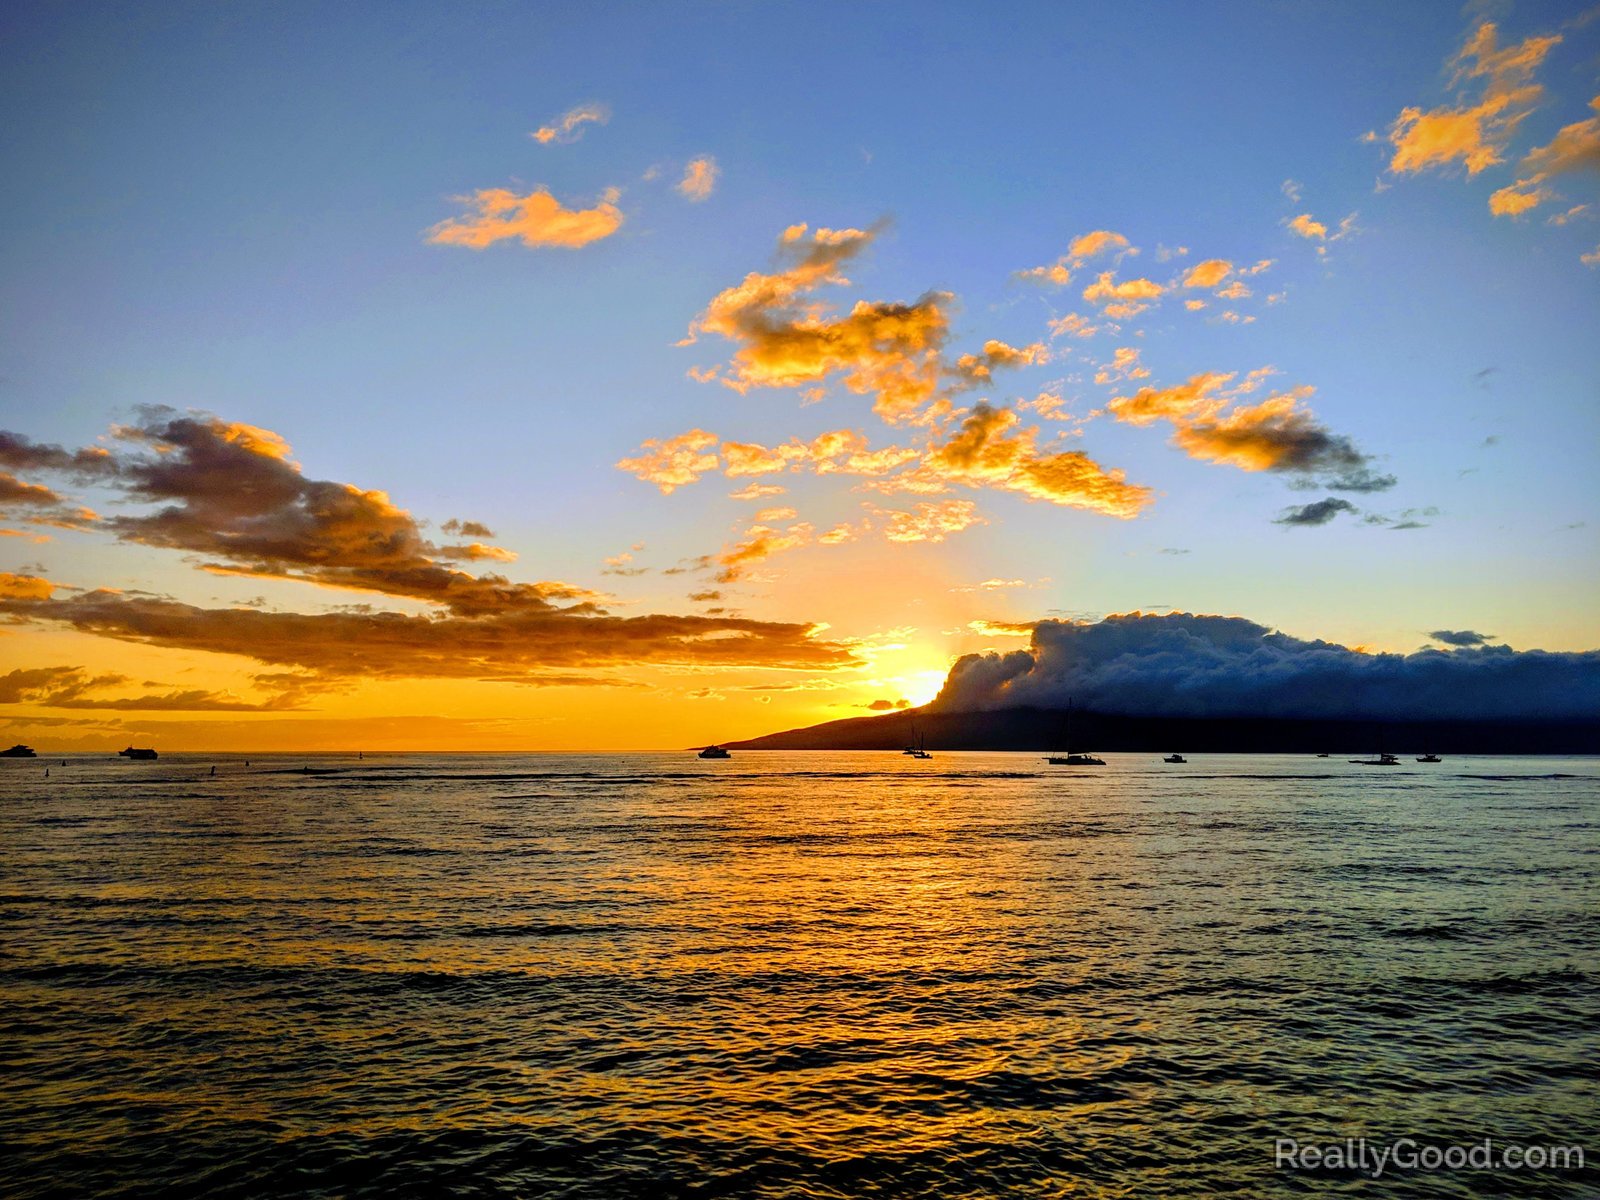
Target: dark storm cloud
x=1180 y=664
x=1461 y=637
x=1318 y=513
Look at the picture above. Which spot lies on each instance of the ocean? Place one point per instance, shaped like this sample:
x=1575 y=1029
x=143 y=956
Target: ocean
x=797 y=975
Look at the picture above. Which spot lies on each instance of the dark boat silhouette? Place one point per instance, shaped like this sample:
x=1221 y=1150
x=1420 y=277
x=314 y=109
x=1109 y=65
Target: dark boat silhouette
x=1175 y=758
x=714 y=752
x=137 y=754
x=18 y=751
x=1383 y=760
x=1069 y=759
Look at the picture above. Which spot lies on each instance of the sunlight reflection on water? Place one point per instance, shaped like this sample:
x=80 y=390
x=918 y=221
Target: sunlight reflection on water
x=788 y=974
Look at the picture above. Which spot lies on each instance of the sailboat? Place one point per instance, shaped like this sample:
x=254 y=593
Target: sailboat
x=915 y=749
x=1069 y=759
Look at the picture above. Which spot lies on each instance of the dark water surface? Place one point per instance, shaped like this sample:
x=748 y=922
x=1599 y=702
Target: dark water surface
x=799 y=975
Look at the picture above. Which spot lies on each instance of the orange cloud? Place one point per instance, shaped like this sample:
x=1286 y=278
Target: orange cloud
x=568 y=127
x=1085 y=247
x=478 y=552
x=1275 y=435
x=1474 y=134
x=749 y=458
x=538 y=219
x=892 y=350
x=1072 y=325
x=974 y=369
x=1208 y=274
x=1575 y=148
x=1173 y=403
x=760 y=542
x=1104 y=288
x=1124 y=364
x=930 y=522
x=1513 y=201
x=1278 y=434
x=1097 y=242
x=674 y=462
x=985 y=452
x=1308 y=226
x=525 y=646
x=25 y=587
x=699 y=179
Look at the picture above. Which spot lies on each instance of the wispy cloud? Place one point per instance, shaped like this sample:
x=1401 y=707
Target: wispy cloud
x=699 y=179
x=568 y=127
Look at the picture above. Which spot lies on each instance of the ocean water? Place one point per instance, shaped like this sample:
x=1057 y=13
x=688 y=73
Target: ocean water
x=791 y=975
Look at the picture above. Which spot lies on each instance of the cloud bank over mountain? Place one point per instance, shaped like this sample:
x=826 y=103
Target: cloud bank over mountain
x=1186 y=665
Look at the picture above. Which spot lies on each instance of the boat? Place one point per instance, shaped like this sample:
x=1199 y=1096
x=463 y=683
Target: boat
x=918 y=747
x=1429 y=758
x=1069 y=759
x=1175 y=758
x=1383 y=760
x=18 y=751
x=714 y=752
x=137 y=754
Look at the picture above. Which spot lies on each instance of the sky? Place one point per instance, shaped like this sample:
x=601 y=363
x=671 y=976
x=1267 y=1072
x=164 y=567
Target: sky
x=604 y=376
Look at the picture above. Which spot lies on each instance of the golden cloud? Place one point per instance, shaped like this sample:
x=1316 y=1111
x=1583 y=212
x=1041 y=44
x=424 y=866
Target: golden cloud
x=538 y=219
x=699 y=178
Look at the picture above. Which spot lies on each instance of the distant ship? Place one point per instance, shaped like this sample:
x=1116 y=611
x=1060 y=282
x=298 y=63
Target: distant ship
x=1069 y=759
x=1383 y=760
x=18 y=751
x=714 y=752
x=137 y=754
x=1430 y=758
x=1175 y=758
